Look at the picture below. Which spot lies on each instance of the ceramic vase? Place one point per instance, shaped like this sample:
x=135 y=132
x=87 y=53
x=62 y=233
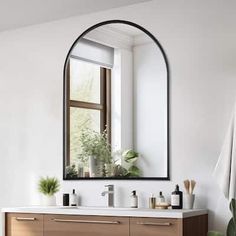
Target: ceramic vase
x=48 y=200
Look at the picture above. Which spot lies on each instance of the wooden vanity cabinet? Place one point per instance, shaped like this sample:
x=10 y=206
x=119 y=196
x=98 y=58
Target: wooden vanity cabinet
x=69 y=225
x=24 y=224
x=155 y=227
x=191 y=226
x=74 y=225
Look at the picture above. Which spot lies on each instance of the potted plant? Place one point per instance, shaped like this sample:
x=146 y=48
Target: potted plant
x=71 y=172
x=48 y=187
x=96 y=151
x=130 y=157
x=231 y=228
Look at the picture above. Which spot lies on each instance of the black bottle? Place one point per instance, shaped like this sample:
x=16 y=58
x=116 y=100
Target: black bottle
x=66 y=197
x=177 y=198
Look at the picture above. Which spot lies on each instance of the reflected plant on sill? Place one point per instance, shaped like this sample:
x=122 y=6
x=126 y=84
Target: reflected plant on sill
x=120 y=171
x=71 y=171
x=128 y=168
x=95 y=145
x=130 y=156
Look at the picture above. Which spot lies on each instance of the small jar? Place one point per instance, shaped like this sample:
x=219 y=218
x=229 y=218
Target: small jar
x=152 y=202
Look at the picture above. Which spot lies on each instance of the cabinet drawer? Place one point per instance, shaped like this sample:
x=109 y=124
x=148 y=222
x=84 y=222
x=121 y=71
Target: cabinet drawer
x=69 y=225
x=24 y=224
x=155 y=227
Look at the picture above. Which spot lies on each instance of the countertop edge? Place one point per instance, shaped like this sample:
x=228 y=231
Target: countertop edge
x=101 y=212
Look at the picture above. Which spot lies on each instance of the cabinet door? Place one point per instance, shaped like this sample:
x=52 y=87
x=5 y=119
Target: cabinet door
x=24 y=224
x=69 y=225
x=155 y=227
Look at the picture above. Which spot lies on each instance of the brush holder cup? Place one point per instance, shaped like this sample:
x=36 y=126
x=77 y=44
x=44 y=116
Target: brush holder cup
x=189 y=201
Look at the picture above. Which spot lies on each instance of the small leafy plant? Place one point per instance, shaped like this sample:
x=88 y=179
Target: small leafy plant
x=95 y=144
x=231 y=229
x=48 y=186
x=71 y=171
x=130 y=156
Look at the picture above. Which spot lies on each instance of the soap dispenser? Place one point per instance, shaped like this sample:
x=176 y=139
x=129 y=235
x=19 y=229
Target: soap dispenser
x=73 y=198
x=134 y=200
x=177 y=198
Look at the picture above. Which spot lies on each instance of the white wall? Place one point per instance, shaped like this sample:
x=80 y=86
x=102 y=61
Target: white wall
x=199 y=39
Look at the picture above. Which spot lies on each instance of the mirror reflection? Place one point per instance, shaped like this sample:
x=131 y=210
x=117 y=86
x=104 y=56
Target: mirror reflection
x=116 y=117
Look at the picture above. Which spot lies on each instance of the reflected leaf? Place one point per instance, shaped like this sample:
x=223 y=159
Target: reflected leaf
x=134 y=171
x=130 y=156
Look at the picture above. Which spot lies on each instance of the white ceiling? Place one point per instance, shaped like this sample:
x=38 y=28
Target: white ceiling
x=19 y=13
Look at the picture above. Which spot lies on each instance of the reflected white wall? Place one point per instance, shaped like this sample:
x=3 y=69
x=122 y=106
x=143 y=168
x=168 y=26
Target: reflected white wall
x=150 y=109
x=122 y=100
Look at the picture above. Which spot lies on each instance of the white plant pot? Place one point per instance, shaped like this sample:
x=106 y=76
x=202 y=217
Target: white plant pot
x=48 y=200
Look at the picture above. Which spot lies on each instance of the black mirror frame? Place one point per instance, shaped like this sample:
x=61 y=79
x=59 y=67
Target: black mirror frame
x=167 y=178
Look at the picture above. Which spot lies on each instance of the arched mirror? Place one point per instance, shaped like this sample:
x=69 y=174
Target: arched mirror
x=116 y=105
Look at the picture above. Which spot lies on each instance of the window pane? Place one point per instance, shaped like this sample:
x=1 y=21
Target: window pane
x=84 y=81
x=81 y=119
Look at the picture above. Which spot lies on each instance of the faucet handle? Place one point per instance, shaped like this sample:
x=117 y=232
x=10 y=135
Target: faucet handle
x=110 y=187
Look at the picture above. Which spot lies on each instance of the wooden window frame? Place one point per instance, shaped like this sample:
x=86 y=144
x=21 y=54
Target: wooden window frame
x=104 y=106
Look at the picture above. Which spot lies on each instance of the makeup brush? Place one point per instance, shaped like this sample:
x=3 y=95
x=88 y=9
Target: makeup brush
x=187 y=185
x=192 y=186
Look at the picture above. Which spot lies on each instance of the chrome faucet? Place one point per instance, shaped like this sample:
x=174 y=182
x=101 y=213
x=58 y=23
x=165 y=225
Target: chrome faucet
x=110 y=192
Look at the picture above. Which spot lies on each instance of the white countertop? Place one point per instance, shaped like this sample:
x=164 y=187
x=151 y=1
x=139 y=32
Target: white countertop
x=103 y=211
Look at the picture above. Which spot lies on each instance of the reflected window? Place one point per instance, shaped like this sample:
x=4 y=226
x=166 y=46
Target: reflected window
x=89 y=102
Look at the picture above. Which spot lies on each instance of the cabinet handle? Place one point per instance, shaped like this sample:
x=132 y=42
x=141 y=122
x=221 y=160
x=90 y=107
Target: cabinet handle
x=87 y=221
x=25 y=219
x=155 y=224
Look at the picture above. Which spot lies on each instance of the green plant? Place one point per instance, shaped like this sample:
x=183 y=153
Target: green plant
x=120 y=171
x=231 y=229
x=134 y=171
x=130 y=156
x=48 y=186
x=214 y=233
x=95 y=144
x=71 y=171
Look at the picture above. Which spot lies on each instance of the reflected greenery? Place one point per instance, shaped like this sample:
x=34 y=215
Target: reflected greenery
x=97 y=160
